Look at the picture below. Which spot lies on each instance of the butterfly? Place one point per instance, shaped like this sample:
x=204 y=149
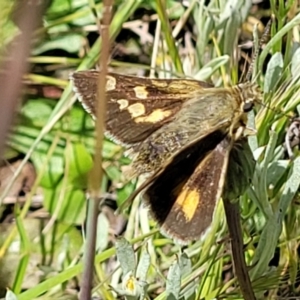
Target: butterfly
x=184 y=134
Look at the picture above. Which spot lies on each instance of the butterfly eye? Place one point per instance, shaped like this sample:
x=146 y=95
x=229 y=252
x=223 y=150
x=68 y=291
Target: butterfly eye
x=248 y=106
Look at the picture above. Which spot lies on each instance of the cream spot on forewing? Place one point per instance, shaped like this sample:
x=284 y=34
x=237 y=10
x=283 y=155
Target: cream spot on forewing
x=110 y=83
x=136 y=110
x=141 y=92
x=159 y=83
x=123 y=103
x=156 y=116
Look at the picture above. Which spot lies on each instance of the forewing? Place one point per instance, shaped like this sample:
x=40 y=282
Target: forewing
x=183 y=197
x=136 y=107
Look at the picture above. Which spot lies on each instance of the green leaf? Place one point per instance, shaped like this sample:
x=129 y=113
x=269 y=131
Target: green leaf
x=37 y=111
x=291 y=188
x=53 y=168
x=173 y=285
x=8 y=28
x=114 y=173
x=10 y=295
x=210 y=68
x=274 y=72
x=185 y=263
x=71 y=43
x=295 y=64
x=62 y=7
x=125 y=192
x=231 y=28
x=126 y=256
x=275 y=171
x=176 y=10
x=102 y=232
x=66 y=203
x=143 y=266
x=80 y=161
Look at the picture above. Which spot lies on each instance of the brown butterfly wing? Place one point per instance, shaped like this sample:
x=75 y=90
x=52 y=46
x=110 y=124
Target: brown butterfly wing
x=183 y=197
x=136 y=107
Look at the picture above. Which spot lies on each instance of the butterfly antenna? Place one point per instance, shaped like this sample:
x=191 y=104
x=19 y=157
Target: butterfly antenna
x=257 y=50
x=243 y=71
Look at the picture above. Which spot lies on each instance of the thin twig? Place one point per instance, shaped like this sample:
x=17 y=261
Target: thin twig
x=96 y=174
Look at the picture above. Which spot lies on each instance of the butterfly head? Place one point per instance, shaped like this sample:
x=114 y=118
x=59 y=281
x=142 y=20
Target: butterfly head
x=250 y=94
